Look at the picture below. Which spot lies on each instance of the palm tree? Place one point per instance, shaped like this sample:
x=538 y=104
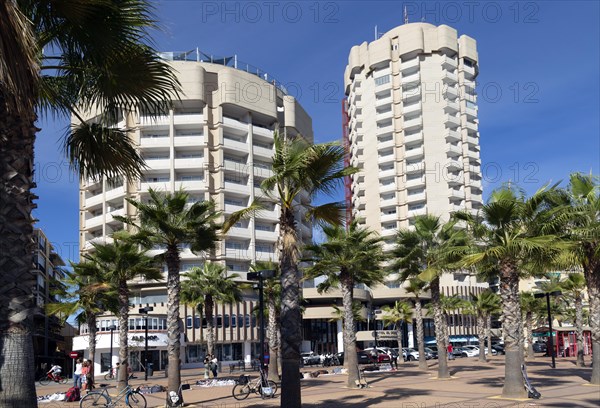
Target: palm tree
x=574 y=287
x=120 y=262
x=64 y=58
x=415 y=287
x=507 y=238
x=347 y=258
x=482 y=305
x=167 y=221
x=272 y=293
x=449 y=305
x=301 y=171
x=427 y=252
x=205 y=286
x=398 y=314
x=532 y=308
x=490 y=307
x=86 y=295
x=575 y=218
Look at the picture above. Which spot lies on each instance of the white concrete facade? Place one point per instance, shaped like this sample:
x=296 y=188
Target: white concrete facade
x=217 y=144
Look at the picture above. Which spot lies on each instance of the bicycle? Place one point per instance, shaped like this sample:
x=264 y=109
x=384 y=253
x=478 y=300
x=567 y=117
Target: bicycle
x=133 y=398
x=46 y=379
x=112 y=374
x=261 y=386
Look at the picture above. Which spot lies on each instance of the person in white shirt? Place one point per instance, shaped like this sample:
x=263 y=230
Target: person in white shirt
x=77 y=374
x=55 y=371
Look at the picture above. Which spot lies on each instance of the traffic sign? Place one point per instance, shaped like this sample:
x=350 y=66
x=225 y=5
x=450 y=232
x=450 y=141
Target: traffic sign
x=73 y=354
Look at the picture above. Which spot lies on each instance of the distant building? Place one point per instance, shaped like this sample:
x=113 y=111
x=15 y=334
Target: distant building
x=48 y=342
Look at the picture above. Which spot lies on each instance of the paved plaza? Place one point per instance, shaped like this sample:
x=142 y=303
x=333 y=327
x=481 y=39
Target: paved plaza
x=472 y=385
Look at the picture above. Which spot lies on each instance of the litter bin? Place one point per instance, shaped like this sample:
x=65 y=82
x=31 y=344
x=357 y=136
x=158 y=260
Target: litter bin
x=150 y=369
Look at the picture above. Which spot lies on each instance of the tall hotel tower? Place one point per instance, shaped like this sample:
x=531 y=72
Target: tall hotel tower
x=217 y=144
x=412 y=126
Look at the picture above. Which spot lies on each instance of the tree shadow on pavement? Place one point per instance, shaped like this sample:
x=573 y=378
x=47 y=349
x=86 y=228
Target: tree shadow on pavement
x=581 y=372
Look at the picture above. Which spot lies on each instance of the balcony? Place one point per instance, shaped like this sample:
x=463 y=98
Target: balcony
x=410 y=64
x=110 y=215
x=454 y=164
x=189 y=163
x=448 y=63
x=449 y=77
x=452 y=121
x=450 y=92
x=472 y=140
x=458 y=194
x=452 y=106
x=471 y=125
x=383 y=188
x=416 y=197
x=117 y=192
x=416 y=182
x=236 y=187
x=235 y=166
x=411 y=80
x=387 y=173
x=454 y=150
x=413 y=108
x=269 y=236
x=413 y=138
x=381 y=115
x=388 y=217
x=413 y=153
x=469 y=72
x=416 y=212
x=452 y=136
x=471 y=112
x=263 y=152
x=475 y=184
x=387 y=129
x=94 y=221
x=94 y=200
x=163 y=120
x=190 y=185
x=240 y=232
x=235 y=144
x=476 y=197
x=383 y=101
x=156 y=140
x=189 y=140
x=238 y=128
x=262 y=131
x=158 y=164
x=413 y=123
x=188 y=118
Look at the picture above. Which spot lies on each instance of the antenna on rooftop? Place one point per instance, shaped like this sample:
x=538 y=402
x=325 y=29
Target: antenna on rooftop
x=405 y=15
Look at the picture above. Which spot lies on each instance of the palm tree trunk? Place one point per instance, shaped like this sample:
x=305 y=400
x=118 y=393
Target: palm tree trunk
x=579 y=330
x=17 y=136
x=349 y=334
x=420 y=335
x=399 y=337
x=481 y=337
x=488 y=332
x=173 y=331
x=529 y=324
x=291 y=317
x=209 y=307
x=273 y=339
x=440 y=329
x=513 y=332
x=123 y=331
x=91 y=322
x=591 y=271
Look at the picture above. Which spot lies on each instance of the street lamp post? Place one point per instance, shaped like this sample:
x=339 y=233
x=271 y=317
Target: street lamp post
x=144 y=311
x=547 y=295
x=112 y=328
x=261 y=276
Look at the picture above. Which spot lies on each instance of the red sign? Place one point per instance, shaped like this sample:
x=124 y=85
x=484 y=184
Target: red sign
x=73 y=354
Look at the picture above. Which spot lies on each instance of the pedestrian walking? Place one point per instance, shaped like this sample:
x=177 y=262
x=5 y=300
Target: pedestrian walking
x=77 y=373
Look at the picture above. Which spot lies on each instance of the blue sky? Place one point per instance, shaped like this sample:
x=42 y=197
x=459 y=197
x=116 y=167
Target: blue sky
x=539 y=86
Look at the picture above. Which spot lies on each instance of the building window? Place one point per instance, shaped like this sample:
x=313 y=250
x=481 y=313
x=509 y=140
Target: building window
x=189 y=322
x=382 y=80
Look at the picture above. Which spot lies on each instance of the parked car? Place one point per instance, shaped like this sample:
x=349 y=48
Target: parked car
x=310 y=358
x=470 y=351
x=410 y=354
x=361 y=356
x=459 y=352
x=430 y=353
x=382 y=355
x=499 y=348
x=539 y=347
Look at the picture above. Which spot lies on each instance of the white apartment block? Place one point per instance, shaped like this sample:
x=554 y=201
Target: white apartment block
x=412 y=130
x=217 y=144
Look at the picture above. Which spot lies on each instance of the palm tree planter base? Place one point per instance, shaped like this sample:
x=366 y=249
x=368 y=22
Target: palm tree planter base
x=500 y=397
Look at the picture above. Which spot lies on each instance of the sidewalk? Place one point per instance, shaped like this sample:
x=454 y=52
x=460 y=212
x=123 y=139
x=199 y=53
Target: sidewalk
x=472 y=385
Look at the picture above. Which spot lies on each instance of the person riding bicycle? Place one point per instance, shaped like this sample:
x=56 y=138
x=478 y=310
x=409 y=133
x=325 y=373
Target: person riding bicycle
x=55 y=371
